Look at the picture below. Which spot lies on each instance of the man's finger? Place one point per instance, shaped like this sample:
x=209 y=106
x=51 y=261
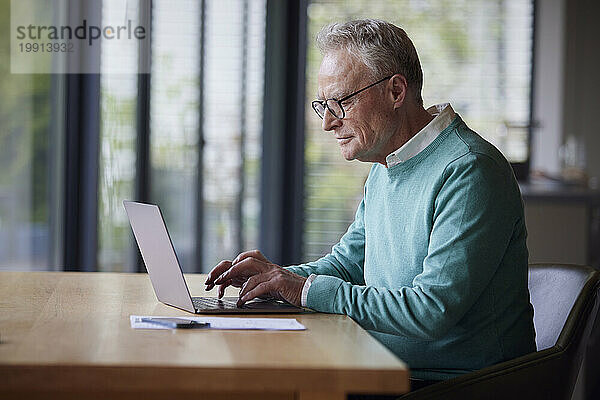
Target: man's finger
x=227 y=283
x=253 y=282
x=217 y=271
x=243 y=269
x=252 y=253
x=222 y=288
x=260 y=290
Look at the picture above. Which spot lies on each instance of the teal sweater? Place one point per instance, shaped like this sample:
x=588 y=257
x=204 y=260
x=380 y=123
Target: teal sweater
x=435 y=263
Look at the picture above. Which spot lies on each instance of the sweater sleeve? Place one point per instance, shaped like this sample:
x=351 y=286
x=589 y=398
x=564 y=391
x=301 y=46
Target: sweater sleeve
x=345 y=262
x=473 y=221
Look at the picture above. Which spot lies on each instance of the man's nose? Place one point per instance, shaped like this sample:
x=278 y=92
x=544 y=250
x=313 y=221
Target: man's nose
x=330 y=121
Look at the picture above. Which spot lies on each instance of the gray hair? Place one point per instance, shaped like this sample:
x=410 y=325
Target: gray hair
x=383 y=47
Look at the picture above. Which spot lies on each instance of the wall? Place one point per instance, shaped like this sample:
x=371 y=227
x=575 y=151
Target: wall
x=582 y=80
x=566 y=90
x=548 y=85
x=566 y=83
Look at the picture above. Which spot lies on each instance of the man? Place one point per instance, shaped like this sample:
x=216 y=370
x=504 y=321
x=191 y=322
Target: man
x=435 y=263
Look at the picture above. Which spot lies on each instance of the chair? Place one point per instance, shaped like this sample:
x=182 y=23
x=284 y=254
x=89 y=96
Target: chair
x=565 y=301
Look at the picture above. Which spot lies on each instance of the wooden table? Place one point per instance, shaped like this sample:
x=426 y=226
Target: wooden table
x=67 y=335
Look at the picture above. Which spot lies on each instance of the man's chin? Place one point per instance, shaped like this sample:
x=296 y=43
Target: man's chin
x=348 y=155
x=348 y=151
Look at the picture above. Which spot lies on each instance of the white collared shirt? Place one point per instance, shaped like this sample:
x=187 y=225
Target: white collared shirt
x=443 y=115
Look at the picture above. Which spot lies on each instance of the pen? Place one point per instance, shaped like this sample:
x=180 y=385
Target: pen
x=177 y=323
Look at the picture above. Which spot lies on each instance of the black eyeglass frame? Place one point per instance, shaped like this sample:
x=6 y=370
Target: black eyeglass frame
x=323 y=103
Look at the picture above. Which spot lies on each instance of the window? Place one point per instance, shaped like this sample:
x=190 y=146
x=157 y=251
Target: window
x=198 y=154
x=475 y=54
x=117 y=163
x=174 y=120
x=29 y=161
x=205 y=117
x=233 y=86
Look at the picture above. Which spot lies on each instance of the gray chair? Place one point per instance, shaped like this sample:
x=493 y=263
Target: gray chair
x=565 y=301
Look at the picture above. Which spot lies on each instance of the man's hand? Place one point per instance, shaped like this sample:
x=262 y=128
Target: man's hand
x=257 y=277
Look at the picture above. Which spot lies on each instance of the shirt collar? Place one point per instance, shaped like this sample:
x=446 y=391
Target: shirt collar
x=443 y=115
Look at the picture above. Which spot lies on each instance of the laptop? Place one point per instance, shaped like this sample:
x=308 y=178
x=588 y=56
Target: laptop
x=166 y=275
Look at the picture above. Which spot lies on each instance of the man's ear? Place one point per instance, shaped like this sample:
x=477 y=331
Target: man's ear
x=399 y=87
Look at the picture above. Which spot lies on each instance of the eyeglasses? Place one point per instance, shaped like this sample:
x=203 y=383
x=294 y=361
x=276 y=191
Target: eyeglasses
x=335 y=106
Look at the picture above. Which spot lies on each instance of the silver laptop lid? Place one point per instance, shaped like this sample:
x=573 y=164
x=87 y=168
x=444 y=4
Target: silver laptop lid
x=158 y=254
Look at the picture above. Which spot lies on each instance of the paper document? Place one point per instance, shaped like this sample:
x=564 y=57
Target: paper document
x=271 y=324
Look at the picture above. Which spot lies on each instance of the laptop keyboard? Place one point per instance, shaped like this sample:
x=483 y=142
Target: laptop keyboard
x=212 y=303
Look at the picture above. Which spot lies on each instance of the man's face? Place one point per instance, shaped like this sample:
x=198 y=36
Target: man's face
x=365 y=130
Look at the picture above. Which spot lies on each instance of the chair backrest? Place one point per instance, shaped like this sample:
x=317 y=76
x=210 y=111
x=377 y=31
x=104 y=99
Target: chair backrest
x=554 y=289
x=565 y=301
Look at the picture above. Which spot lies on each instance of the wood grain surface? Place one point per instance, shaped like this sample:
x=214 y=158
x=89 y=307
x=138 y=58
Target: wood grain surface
x=67 y=334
